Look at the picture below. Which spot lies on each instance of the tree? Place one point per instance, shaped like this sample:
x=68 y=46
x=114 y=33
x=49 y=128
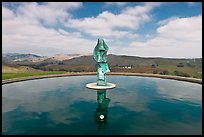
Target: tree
x=153 y=66
x=155 y=72
x=180 y=65
x=179 y=73
x=164 y=72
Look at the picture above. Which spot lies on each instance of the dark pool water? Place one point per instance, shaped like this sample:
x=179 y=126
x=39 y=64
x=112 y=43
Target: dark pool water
x=138 y=105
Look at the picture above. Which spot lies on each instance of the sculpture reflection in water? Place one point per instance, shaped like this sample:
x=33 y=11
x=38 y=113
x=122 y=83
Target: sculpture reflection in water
x=101 y=113
x=100 y=57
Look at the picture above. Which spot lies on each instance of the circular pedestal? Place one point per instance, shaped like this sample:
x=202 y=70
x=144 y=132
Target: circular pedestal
x=95 y=86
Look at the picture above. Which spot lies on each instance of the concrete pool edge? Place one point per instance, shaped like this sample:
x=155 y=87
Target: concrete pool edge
x=193 y=80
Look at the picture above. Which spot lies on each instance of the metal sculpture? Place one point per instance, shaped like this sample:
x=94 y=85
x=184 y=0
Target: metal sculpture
x=100 y=56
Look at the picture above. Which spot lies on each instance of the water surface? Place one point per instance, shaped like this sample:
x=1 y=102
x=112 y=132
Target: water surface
x=138 y=105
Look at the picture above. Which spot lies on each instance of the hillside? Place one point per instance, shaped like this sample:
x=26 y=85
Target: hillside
x=120 y=63
x=33 y=59
x=18 y=69
x=15 y=71
x=122 y=60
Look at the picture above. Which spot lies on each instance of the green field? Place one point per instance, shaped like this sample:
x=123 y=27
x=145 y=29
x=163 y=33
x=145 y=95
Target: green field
x=26 y=74
x=9 y=72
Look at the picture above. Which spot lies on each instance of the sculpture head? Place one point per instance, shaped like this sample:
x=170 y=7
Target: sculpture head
x=100 y=51
x=101 y=44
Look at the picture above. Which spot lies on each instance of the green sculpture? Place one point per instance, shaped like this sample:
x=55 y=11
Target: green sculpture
x=100 y=56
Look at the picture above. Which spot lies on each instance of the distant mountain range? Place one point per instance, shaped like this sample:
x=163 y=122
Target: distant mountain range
x=87 y=59
x=16 y=57
x=123 y=60
x=117 y=63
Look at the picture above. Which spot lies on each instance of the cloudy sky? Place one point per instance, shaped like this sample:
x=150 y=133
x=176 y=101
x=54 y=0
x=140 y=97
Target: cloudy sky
x=129 y=28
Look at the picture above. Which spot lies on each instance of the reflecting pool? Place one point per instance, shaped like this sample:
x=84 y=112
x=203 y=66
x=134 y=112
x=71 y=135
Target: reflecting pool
x=138 y=105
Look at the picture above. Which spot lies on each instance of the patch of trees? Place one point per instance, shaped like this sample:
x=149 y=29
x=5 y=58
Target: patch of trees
x=60 y=63
x=190 y=65
x=153 y=66
x=155 y=72
x=164 y=72
x=62 y=69
x=179 y=73
x=180 y=65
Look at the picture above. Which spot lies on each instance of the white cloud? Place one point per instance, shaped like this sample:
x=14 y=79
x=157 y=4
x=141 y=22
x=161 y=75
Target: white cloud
x=7 y=14
x=50 y=12
x=44 y=41
x=181 y=37
x=107 y=24
x=141 y=9
x=115 y=3
x=64 y=5
x=183 y=29
x=165 y=21
x=24 y=33
x=191 y=3
x=45 y=29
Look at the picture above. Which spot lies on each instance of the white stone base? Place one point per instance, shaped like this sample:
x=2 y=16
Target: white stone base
x=95 y=86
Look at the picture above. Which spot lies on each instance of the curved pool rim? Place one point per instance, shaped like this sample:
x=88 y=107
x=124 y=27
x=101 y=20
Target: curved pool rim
x=187 y=79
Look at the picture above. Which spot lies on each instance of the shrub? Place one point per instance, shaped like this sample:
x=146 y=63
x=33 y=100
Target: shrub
x=62 y=69
x=155 y=72
x=153 y=66
x=60 y=63
x=164 y=72
x=180 y=65
x=179 y=73
x=190 y=65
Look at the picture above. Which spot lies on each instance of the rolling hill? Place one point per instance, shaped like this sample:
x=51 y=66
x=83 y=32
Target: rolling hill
x=119 y=63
